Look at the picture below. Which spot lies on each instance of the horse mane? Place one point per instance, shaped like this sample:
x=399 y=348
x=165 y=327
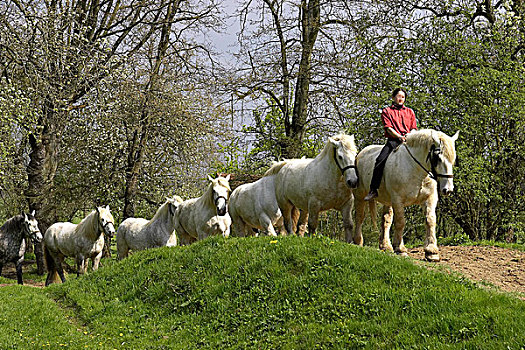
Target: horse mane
x=275 y=168
x=163 y=209
x=86 y=223
x=425 y=138
x=12 y=224
x=224 y=183
x=346 y=140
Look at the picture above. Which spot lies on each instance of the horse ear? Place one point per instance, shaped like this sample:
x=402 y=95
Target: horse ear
x=210 y=178
x=455 y=137
x=107 y=207
x=33 y=213
x=228 y=177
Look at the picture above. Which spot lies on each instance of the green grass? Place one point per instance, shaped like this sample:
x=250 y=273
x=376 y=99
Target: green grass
x=260 y=293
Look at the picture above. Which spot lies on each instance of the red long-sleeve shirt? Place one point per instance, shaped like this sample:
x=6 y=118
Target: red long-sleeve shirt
x=400 y=118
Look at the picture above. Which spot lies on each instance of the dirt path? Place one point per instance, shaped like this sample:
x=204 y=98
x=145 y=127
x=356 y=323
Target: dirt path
x=503 y=268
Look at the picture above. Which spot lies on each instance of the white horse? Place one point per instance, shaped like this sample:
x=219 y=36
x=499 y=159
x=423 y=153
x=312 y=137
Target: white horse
x=319 y=184
x=254 y=205
x=414 y=174
x=140 y=234
x=198 y=218
x=83 y=241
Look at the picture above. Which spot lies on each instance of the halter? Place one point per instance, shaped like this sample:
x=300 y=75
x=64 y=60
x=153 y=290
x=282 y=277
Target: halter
x=353 y=166
x=219 y=197
x=106 y=224
x=433 y=157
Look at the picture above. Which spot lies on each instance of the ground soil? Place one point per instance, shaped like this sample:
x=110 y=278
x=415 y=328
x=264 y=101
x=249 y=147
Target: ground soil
x=503 y=269
x=496 y=267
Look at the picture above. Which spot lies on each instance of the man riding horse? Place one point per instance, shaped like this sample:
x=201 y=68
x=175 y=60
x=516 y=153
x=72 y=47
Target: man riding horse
x=398 y=120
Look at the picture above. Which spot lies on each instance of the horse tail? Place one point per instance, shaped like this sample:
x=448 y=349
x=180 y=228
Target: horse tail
x=373 y=212
x=52 y=274
x=275 y=168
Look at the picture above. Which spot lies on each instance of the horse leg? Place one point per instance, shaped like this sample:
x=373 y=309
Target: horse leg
x=360 y=218
x=399 y=221
x=81 y=264
x=348 y=223
x=302 y=221
x=386 y=223
x=59 y=269
x=266 y=224
x=1 y=267
x=286 y=211
x=95 y=261
x=431 y=247
x=240 y=227
x=122 y=248
x=313 y=217
x=19 y=271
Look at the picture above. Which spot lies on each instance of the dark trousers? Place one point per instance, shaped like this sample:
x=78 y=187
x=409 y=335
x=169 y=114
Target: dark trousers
x=391 y=145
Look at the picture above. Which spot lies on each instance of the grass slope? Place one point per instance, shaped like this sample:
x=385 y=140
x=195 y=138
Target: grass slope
x=289 y=293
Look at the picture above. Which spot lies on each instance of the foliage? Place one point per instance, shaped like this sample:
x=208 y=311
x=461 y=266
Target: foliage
x=289 y=293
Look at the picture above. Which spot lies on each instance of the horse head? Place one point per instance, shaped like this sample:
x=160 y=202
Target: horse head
x=442 y=156
x=345 y=152
x=220 y=193
x=31 y=227
x=106 y=221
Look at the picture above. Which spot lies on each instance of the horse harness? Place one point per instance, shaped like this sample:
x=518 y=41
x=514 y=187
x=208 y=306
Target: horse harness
x=353 y=166
x=433 y=157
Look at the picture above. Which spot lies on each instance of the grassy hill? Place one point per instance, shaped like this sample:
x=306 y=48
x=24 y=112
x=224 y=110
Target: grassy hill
x=260 y=293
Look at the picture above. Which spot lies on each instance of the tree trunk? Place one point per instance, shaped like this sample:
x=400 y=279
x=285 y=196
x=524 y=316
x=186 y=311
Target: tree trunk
x=41 y=172
x=139 y=141
x=134 y=165
x=310 y=22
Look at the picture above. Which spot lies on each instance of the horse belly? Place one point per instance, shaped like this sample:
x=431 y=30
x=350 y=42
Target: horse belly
x=136 y=234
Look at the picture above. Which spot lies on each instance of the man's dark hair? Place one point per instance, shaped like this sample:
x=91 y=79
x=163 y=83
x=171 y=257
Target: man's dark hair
x=395 y=92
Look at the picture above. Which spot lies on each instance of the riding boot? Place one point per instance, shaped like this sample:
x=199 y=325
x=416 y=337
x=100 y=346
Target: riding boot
x=372 y=194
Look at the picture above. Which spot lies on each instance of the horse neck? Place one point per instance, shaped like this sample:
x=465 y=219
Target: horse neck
x=160 y=217
x=89 y=227
x=207 y=198
x=326 y=161
x=420 y=152
x=13 y=228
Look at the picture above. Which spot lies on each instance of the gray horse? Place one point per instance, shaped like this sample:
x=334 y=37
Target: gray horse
x=13 y=236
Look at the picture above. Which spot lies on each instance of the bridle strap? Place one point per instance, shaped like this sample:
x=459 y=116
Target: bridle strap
x=433 y=174
x=340 y=167
x=219 y=197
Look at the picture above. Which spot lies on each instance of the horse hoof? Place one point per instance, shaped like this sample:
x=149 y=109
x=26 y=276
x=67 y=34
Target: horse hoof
x=432 y=257
x=403 y=254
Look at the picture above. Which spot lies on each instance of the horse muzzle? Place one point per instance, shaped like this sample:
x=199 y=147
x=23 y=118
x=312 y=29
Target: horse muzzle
x=446 y=191
x=352 y=183
x=36 y=237
x=109 y=229
x=222 y=211
x=221 y=204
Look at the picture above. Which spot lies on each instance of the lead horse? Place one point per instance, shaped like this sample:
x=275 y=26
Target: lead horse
x=83 y=241
x=414 y=174
x=14 y=234
x=319 y=184
x=139 y=234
